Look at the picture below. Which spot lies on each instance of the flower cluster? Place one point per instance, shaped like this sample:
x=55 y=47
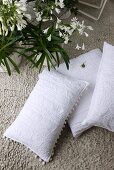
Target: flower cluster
x=12 y=15
x=47 y=10
x=59 y=4
x=66 y=30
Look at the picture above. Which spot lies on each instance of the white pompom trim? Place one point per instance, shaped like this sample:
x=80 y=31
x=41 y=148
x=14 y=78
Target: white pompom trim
x=72 y=110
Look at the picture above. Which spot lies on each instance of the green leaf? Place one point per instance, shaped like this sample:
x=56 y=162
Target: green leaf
x=42 y=61
x=14 y=64
x=49 y=56
x=65 y=56
x=29 y=58
x=57 y=39
x=50 y=31
x=39 y=61
x=58 y=61
x=48 y=63
x=7 y=66
x=64 y=52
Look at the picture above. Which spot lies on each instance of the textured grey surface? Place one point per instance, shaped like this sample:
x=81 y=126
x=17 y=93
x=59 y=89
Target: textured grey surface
x=93 y=2
x=93 y=150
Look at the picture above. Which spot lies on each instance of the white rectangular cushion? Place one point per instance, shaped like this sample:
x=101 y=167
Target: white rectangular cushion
x=42 y=118
x=101 y=112
x=84 y=67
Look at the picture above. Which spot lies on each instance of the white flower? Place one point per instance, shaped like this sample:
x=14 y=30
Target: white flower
x=71 y=31
x=52 y=7
x=7 y=2
x=80 y=30
x=51 y=18
x=82 y=26
x=74 y=19
x=45 y=19
x=60 y=34
x=28 y=16
x=46 y=30
x=73 y=25
x=51 y=12
x=58 y=20
x=66 y=39
x=77 y=47
x=57 y=26
x=57 y=10
x=49 y=38
x=86 y=34
x=12 y=27
x=21 y=23
x=21 y=6
x=38 y=16
x=19 y=27
x=83 y=46
x=68 y=30
x=90 y=28
x=59 y=3
x=14 y=19
x=6 y=32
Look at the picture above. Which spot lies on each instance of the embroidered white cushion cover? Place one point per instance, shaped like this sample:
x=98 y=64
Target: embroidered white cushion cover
x=84 y=67
x=41 y=120
x=101 y=112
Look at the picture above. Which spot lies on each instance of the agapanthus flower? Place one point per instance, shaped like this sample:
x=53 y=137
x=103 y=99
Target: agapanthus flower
x=38 y=16
x=12 y=15
x=59 y=3
x=49 y=38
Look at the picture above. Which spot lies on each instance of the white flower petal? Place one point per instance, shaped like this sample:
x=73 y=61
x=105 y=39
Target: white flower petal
x=83 y=46
x=77 y=47
x=46 y=30
x=90 y=28
x=86 y=34
x=49 y=38
x=57 y=10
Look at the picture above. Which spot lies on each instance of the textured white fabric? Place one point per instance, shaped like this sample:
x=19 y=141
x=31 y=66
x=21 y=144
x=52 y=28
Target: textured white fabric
x=101 y=112
x=84 y=67
x=41 y=120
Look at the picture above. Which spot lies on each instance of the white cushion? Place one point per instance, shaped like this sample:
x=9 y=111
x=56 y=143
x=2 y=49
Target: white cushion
x=42 y=118
x=84 y=67
x=101 y=112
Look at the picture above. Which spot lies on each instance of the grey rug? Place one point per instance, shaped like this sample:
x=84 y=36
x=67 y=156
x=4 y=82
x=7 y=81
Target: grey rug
x=93 y=150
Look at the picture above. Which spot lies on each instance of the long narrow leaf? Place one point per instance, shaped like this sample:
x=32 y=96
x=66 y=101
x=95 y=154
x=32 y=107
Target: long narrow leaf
x=58 y=61
x=49 y=56
x=65 y=59
x=48 y=63
x=7 y=66
x=14 y=64
x=41 y=64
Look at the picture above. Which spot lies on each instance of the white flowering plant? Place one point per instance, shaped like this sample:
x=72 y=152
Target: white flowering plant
x=13 y=18
x=12 y=15
x=40 y=42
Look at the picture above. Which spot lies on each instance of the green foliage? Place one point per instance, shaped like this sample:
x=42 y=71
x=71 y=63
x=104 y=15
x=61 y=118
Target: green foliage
x=7 y=47
x=37 y=43
x=72 y=5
